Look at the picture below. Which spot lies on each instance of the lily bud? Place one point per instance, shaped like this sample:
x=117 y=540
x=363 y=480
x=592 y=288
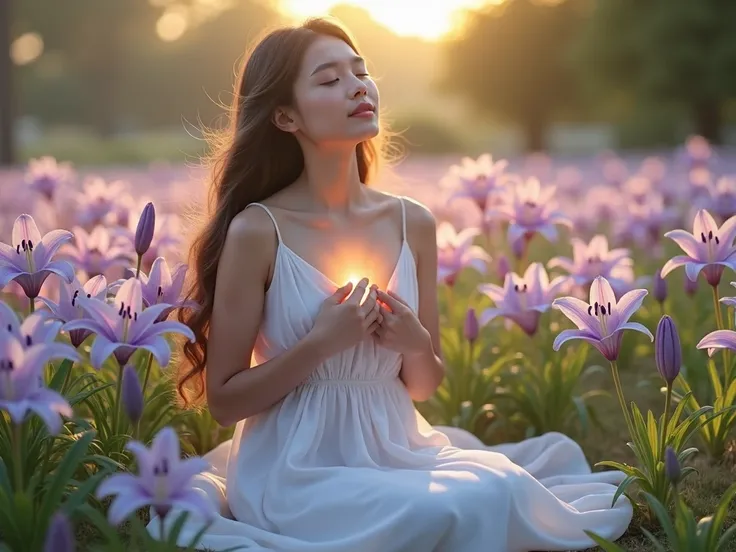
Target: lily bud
x=132 y=394
x=144 y=231
x=667 y=349
x=672 y=469
x=691 y=287
x=59 y=536
x=470 y=331
x=659 y=287
x=503 y=267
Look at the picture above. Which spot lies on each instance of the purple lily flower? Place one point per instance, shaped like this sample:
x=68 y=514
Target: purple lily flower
x=21 y=389
x=719 y=339
x=477 y=179
x=69 y=308
x=455 y=252
x=94 y=253
x=163 y=286
x=529 y=208
x=721 y=199
x=595 y=259
x=602 y=321
x=124 y=327
x=97 y=200
x=28 y=259
x=38 y=327
x=164 y=481
x=709 y=248
x=522 y=299
x=643 y=222
x=45 y=175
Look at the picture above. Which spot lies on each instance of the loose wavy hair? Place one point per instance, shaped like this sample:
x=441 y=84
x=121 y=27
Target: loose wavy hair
x=249 y=161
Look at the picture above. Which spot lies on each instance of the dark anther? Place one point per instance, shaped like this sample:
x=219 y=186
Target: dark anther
x=596 y=308
x=710 y=235
x=122 y=309
x=10 y=327
x=135 y=316
x=28 y=341
x=702 y=237
x=30 y=245
x=590 y=308
x=717 y=242
x=603 y=309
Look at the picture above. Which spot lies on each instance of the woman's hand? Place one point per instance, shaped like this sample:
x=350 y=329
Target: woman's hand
x=343 y=321
x=399 y=329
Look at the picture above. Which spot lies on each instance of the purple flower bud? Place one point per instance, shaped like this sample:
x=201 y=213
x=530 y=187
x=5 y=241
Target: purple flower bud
x=659 y=287
x=518 y=247
x=503 y=267
x=672 y=465
x=59 y=536
x=471 y=326
x=132 y=394
x=667 y=349
x=691 y=287
x=144 y=231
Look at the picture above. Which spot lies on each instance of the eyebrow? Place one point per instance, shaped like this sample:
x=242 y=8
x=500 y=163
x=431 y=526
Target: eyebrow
x=331 y=64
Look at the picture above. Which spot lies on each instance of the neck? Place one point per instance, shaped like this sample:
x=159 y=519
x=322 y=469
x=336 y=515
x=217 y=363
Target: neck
x=331 y=177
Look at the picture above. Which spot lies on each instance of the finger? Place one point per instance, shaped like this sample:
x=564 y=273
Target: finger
x=399 y=299
x=358 y=292
x=370 y=318
x=341 y=293
x=393 y=304
x=369 y=303
x=374 y=329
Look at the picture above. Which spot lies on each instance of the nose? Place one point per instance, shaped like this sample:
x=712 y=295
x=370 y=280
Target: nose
x=360 y=90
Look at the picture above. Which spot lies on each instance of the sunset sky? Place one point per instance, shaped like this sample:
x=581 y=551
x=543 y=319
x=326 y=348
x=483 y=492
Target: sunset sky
x=428 y=19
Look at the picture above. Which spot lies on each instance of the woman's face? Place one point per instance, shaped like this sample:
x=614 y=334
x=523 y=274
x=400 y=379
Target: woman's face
x=332 y=84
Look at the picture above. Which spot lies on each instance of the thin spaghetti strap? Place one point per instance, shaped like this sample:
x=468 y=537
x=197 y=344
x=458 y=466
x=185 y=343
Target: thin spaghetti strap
x=273 y=219
x=403 y=219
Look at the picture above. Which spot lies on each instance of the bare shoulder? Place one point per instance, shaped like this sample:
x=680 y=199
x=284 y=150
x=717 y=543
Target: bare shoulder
x=251 y=242
x=419 y=218
x=251 y=225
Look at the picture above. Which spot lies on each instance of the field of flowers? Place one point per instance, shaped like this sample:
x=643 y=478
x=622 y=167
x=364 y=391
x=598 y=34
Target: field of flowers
x=587 y=296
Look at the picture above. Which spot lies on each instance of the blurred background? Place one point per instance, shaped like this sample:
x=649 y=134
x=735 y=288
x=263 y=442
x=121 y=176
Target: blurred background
x=99 y=82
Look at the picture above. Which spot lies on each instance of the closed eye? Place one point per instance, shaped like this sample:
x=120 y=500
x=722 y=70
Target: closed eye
x=330 y=83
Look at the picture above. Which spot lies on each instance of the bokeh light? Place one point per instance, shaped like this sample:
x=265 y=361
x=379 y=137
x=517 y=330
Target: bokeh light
x=172 y=24
x=26 y=49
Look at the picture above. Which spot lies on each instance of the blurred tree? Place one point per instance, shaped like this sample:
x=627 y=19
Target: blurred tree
x=510 y=60
x=6 y=88
x=681 y=51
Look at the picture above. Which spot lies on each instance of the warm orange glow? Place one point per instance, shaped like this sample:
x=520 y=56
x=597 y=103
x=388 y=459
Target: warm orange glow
x=26 y=48
x=172 y=24
x=429 y=19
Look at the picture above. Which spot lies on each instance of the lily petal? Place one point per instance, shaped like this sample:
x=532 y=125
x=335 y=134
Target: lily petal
x=686 y=241
x=566 y=335
x=719 y=339
x=577 y=311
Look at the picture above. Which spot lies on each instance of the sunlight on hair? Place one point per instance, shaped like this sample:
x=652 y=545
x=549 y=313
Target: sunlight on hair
x=428 y=19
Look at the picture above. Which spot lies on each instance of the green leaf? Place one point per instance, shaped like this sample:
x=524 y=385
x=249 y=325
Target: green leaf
x=662 y=515
x=607 y=545
x=719 y=516
x=64 y=473
x=622 y=488
x=655 y=542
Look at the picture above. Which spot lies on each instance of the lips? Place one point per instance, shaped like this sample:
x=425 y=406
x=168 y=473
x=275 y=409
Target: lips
x=363 y=107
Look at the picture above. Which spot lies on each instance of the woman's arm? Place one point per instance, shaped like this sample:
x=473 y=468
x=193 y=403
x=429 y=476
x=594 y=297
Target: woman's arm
x=423 y=371
x=235 y=390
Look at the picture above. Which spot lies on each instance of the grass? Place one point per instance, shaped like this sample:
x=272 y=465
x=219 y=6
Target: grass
x=702 y=491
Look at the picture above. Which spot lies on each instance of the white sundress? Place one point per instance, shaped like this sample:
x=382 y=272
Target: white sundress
x=345 y=463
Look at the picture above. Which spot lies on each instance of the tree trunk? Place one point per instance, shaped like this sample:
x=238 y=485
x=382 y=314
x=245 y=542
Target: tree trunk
x=535 y=133
x=7 y=146
x=707 y=118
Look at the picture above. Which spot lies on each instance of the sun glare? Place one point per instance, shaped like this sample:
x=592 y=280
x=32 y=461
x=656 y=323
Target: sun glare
x=428 y=19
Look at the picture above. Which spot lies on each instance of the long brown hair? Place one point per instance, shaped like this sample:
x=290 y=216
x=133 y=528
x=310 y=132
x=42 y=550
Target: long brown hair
x=250 y=161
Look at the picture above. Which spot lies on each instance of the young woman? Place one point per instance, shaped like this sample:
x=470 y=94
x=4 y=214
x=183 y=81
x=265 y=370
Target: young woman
x=319 y=327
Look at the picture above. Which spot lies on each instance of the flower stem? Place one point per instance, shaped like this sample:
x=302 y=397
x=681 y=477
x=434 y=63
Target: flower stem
x=138 y=266
x=118 y=393
x=665 y=415
x=148 y=372
x=621 y=400
x=18 y=456
x=719 y=324
x=31 y=305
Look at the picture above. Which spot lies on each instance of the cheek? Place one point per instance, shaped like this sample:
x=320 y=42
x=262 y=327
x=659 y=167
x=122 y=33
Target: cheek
x=323 y=113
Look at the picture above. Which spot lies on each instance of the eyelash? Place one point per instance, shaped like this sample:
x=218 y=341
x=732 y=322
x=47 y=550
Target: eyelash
x=335 y=81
